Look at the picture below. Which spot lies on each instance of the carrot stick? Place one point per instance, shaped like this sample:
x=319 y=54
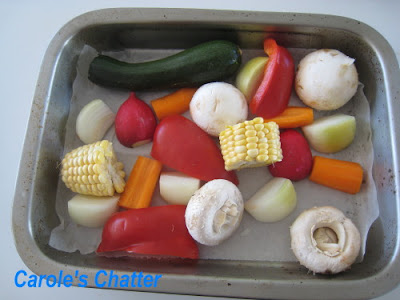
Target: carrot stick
x=141 y=183
x=293 y=117
x=173 y=104
x=342 y=175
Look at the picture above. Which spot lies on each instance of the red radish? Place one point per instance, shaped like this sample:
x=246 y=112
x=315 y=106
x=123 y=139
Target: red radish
x=297 y=157
x=135 y=122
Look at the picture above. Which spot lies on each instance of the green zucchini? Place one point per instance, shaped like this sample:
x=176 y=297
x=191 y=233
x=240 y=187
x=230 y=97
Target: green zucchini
x=210 y=61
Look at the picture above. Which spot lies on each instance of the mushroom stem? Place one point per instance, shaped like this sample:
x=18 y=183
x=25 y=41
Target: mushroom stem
x=214 y=212
x=324 y=240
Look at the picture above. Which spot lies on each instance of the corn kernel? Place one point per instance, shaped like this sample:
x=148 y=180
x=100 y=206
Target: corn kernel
x=252 y=153
x=237 y=126
x=239 y=131
x=251 y=146
x=260 y=134
x=241 y=156
x=251 y=133
x=249 y=127
x=239 y=137
x=240 y=149
x=262 y=158
x=258 y=120
x=263 y=140
x=252 y=139
x=259 y=127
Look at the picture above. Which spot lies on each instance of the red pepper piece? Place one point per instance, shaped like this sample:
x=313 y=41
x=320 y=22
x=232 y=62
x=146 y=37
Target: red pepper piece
x=180 y=144
x=273 y=94
x=158 y=230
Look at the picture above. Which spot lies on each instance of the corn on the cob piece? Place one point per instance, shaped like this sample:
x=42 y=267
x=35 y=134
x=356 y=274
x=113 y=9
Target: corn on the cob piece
x=250 y=144
x=93 y=170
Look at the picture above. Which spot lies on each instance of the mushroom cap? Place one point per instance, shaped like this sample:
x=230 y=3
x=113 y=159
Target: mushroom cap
x=216 y=105
x=214 y=212
x=326 y=79
x=324 y=240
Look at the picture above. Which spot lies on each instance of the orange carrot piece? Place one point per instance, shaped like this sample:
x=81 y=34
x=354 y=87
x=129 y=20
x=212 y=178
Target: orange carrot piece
x=293 y=117
x=173 y=104
x=141 y=183
x=342 y=175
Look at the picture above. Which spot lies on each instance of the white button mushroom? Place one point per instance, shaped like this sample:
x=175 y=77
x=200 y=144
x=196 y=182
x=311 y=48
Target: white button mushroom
x=216 y=105
x=324 y=240
x=326 y=79
x=214 y=212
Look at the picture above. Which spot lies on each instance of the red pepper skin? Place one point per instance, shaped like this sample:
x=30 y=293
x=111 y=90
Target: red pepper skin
x=180 y=144
x=273 y=94
x=158 y=230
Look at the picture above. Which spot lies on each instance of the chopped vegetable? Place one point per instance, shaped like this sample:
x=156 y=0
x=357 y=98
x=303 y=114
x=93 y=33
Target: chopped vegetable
x=324 y=240
x=135 y=122
x=173 y=104
x=158 y=230
x=326 y=79
x=214 y=212
x=206 y=62
x=273 y=94
x=93 y=170
x=250 y=144
x=216 y=105
x=177 y=188
x=331 y=134
x=297 y=158
x=342 y=175
x=293 y=117
x=92 y=211
x=250 y=76
x=93 y=121
x=273 y=202
x=182 y=145
x=141 y=183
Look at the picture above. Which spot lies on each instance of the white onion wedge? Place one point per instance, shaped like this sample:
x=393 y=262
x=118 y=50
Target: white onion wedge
x=177 y=188
x=273 y=202
x=250 y=76
x=92 y=211
x=93 y=121
x=332 y=133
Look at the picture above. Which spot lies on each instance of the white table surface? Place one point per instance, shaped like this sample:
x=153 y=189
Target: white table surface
x=26 y=28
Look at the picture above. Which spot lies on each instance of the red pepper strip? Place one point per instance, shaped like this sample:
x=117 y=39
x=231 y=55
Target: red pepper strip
x=273 y=94
x=180 y=144
x=159 y=230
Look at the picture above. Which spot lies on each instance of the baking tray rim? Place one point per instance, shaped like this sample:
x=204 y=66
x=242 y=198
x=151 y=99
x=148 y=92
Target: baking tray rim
x=380 y=283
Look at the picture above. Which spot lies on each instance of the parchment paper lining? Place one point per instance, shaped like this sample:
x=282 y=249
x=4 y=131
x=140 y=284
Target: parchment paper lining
x=253 y=240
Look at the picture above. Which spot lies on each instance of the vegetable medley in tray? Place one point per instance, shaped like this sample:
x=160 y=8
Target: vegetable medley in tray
x=215 y=148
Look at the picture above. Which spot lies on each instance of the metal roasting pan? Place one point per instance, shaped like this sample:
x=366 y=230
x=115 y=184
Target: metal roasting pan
x=34 y=205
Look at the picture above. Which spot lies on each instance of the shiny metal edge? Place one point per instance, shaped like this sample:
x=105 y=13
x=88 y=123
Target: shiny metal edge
x=377 y=284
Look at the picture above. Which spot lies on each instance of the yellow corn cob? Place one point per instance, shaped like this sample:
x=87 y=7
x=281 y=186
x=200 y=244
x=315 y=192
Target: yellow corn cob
x=250 y=144
x=93 y=170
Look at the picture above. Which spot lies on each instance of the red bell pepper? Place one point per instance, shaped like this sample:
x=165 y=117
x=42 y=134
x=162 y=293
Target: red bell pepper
x=273 y=94
x=158 y=230
x=180 y=144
